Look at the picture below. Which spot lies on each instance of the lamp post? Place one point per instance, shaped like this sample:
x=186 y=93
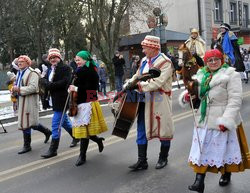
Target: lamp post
x=158 y=22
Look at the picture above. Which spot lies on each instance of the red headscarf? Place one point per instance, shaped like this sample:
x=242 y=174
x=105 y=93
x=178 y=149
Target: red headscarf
x=213 y=53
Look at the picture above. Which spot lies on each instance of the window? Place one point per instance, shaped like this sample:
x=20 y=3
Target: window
x=218 y=11
x=233 y=13
x=245 y=16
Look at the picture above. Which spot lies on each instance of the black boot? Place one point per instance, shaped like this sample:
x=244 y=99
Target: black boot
x=225 y=179
x=99 y=142
x=43 y=130
x=52 y=149
x=84 y=143
x=198 y=185
x=142 y=163
x=74 y=140
x=163 y=157
x=26 y=143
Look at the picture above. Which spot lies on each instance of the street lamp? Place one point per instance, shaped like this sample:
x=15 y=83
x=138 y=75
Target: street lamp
x=158 y=22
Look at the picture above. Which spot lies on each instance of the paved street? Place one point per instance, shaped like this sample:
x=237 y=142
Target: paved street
x=108 y=172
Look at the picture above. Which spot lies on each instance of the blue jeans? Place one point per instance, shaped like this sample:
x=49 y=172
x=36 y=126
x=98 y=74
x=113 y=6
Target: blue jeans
x=103 y=87
x=66 y=124
x=118 y=83
x=141 y=128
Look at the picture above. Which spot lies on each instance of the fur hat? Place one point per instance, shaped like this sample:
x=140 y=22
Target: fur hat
x=194 y=30
x=26 y=58
x=54 y=52
x=11 y=75
x=226 y=26
x=213 y=53
x=151 y=42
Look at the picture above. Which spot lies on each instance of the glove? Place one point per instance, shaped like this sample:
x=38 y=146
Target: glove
x=44 y=70
x=14 y=64
x=222 y=128
x=72 y=88
x=187 y=97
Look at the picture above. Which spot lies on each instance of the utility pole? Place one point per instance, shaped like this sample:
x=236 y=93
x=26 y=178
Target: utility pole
x=199 y=17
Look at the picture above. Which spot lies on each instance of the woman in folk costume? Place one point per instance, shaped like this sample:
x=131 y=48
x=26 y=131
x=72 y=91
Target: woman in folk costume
x=26 y=88
x=89 y=121
x=156 y=106
x=215 y=146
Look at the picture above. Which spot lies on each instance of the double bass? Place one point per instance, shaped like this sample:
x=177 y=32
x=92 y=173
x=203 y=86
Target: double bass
x=127 y=111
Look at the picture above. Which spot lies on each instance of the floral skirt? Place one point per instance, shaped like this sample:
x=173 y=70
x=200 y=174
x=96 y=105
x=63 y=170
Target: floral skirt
x=89 y=120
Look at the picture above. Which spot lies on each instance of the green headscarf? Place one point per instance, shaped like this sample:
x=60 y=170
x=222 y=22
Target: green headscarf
x=206 y=79
x=85 y=55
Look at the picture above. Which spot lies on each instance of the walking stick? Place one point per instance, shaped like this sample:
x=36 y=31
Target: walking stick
x=4 y=130
x=195 y=122
x=65 y=106
x=64 y=109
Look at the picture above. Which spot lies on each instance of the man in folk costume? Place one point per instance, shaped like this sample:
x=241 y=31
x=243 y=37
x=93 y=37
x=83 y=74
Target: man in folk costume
x=56 y=81
x=26 y=89
x=158 y=108
x=196 y=44
x=227 y=40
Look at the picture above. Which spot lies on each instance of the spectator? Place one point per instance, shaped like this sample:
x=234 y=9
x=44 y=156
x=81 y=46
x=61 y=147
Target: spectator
x=13 y=97
x=134 y=65
x=247 y=67
x=119 y=63
x=102 y=77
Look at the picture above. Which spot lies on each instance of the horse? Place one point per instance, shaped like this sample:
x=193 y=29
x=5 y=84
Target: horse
x=190 y=63
x=190 y=66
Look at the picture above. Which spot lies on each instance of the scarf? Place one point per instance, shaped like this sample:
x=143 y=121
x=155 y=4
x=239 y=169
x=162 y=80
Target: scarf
x=85 y=55
x=204 y=90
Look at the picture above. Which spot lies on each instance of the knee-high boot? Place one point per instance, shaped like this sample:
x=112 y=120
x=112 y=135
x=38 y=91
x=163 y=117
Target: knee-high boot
x=84 y=143
x=163 y=157
x=43 y=130
x=142 y=163
x=26 y=143
x=99 y=142
x=199 y=184
x=52 y=149
x=225 y=179
x=74 y=140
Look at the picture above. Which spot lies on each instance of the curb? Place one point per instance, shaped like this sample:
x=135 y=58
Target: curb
x=49 y=112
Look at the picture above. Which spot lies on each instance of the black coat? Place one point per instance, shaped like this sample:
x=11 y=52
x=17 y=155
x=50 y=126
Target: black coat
x=58 y=88
x=118 y=63
x=87 y=81
x=239 y=65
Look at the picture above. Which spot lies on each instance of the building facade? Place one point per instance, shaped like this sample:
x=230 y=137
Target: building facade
x=205 y=15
